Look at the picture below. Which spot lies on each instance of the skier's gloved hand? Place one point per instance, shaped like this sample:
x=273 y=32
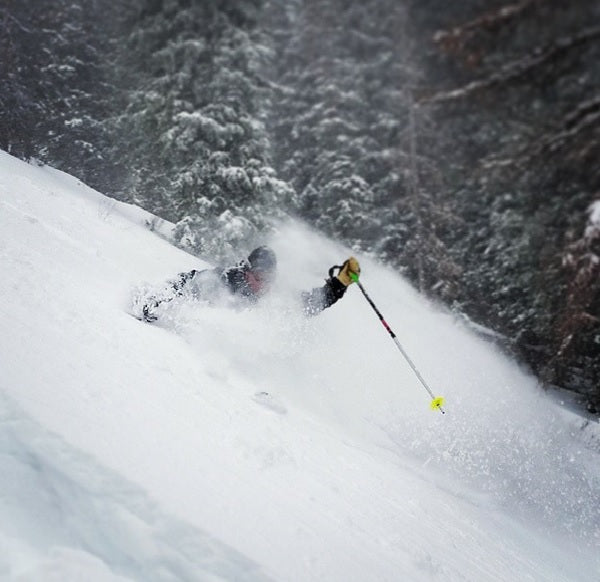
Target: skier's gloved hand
x=349 y=272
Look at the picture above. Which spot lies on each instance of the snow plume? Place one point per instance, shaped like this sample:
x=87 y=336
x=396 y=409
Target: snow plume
x=141 y=451
x=502 y=435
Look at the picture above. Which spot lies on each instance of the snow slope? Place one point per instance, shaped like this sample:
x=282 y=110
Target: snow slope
x=131 y=451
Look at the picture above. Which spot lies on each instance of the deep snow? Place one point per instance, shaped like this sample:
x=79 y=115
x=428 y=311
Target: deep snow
x=133 y=451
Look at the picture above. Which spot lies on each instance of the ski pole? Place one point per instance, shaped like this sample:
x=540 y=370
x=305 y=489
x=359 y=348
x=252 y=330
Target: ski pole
x=436 y=401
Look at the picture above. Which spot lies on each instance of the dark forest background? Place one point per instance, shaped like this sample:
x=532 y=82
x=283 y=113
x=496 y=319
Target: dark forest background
x=457 y=142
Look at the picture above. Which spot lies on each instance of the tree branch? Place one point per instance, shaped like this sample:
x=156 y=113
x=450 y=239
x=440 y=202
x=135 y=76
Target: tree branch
x=586 y=116
x=455 y=38
x=519 y=68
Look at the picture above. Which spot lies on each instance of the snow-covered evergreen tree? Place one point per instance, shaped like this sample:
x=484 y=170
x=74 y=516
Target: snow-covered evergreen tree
x=199 y=150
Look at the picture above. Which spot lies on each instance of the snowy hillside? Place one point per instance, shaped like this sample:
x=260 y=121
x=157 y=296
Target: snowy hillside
x=134 y=451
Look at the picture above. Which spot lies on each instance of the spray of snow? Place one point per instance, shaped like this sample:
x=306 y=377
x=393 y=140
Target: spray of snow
x=143 y=452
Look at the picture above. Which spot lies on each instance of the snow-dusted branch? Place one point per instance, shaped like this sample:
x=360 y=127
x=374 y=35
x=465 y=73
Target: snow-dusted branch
x=6 y=17
x=454 y=39
x=519 y=68
x=585 y=117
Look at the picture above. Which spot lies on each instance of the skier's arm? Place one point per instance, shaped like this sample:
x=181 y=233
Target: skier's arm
x=334 y=289
x=174 y=289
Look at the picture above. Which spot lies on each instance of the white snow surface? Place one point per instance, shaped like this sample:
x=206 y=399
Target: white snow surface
x=135 y=451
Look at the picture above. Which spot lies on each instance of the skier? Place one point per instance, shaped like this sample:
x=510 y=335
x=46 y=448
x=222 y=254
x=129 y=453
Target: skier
x=248 y=281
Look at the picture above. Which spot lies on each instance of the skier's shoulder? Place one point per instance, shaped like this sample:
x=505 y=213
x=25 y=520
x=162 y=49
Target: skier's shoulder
x=233 y=274
x=200 y=281
x=235 y=278
x=202 y=274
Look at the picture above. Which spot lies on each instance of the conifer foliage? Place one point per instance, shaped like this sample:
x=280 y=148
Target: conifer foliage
x=194 y=120
x=347 y=132
x=513 y=91
x=53 y=87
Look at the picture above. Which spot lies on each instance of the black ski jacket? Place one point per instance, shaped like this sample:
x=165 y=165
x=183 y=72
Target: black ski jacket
x=209 y=284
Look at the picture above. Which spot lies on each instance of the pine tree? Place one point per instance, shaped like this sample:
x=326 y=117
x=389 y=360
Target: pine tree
x=199 y=118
